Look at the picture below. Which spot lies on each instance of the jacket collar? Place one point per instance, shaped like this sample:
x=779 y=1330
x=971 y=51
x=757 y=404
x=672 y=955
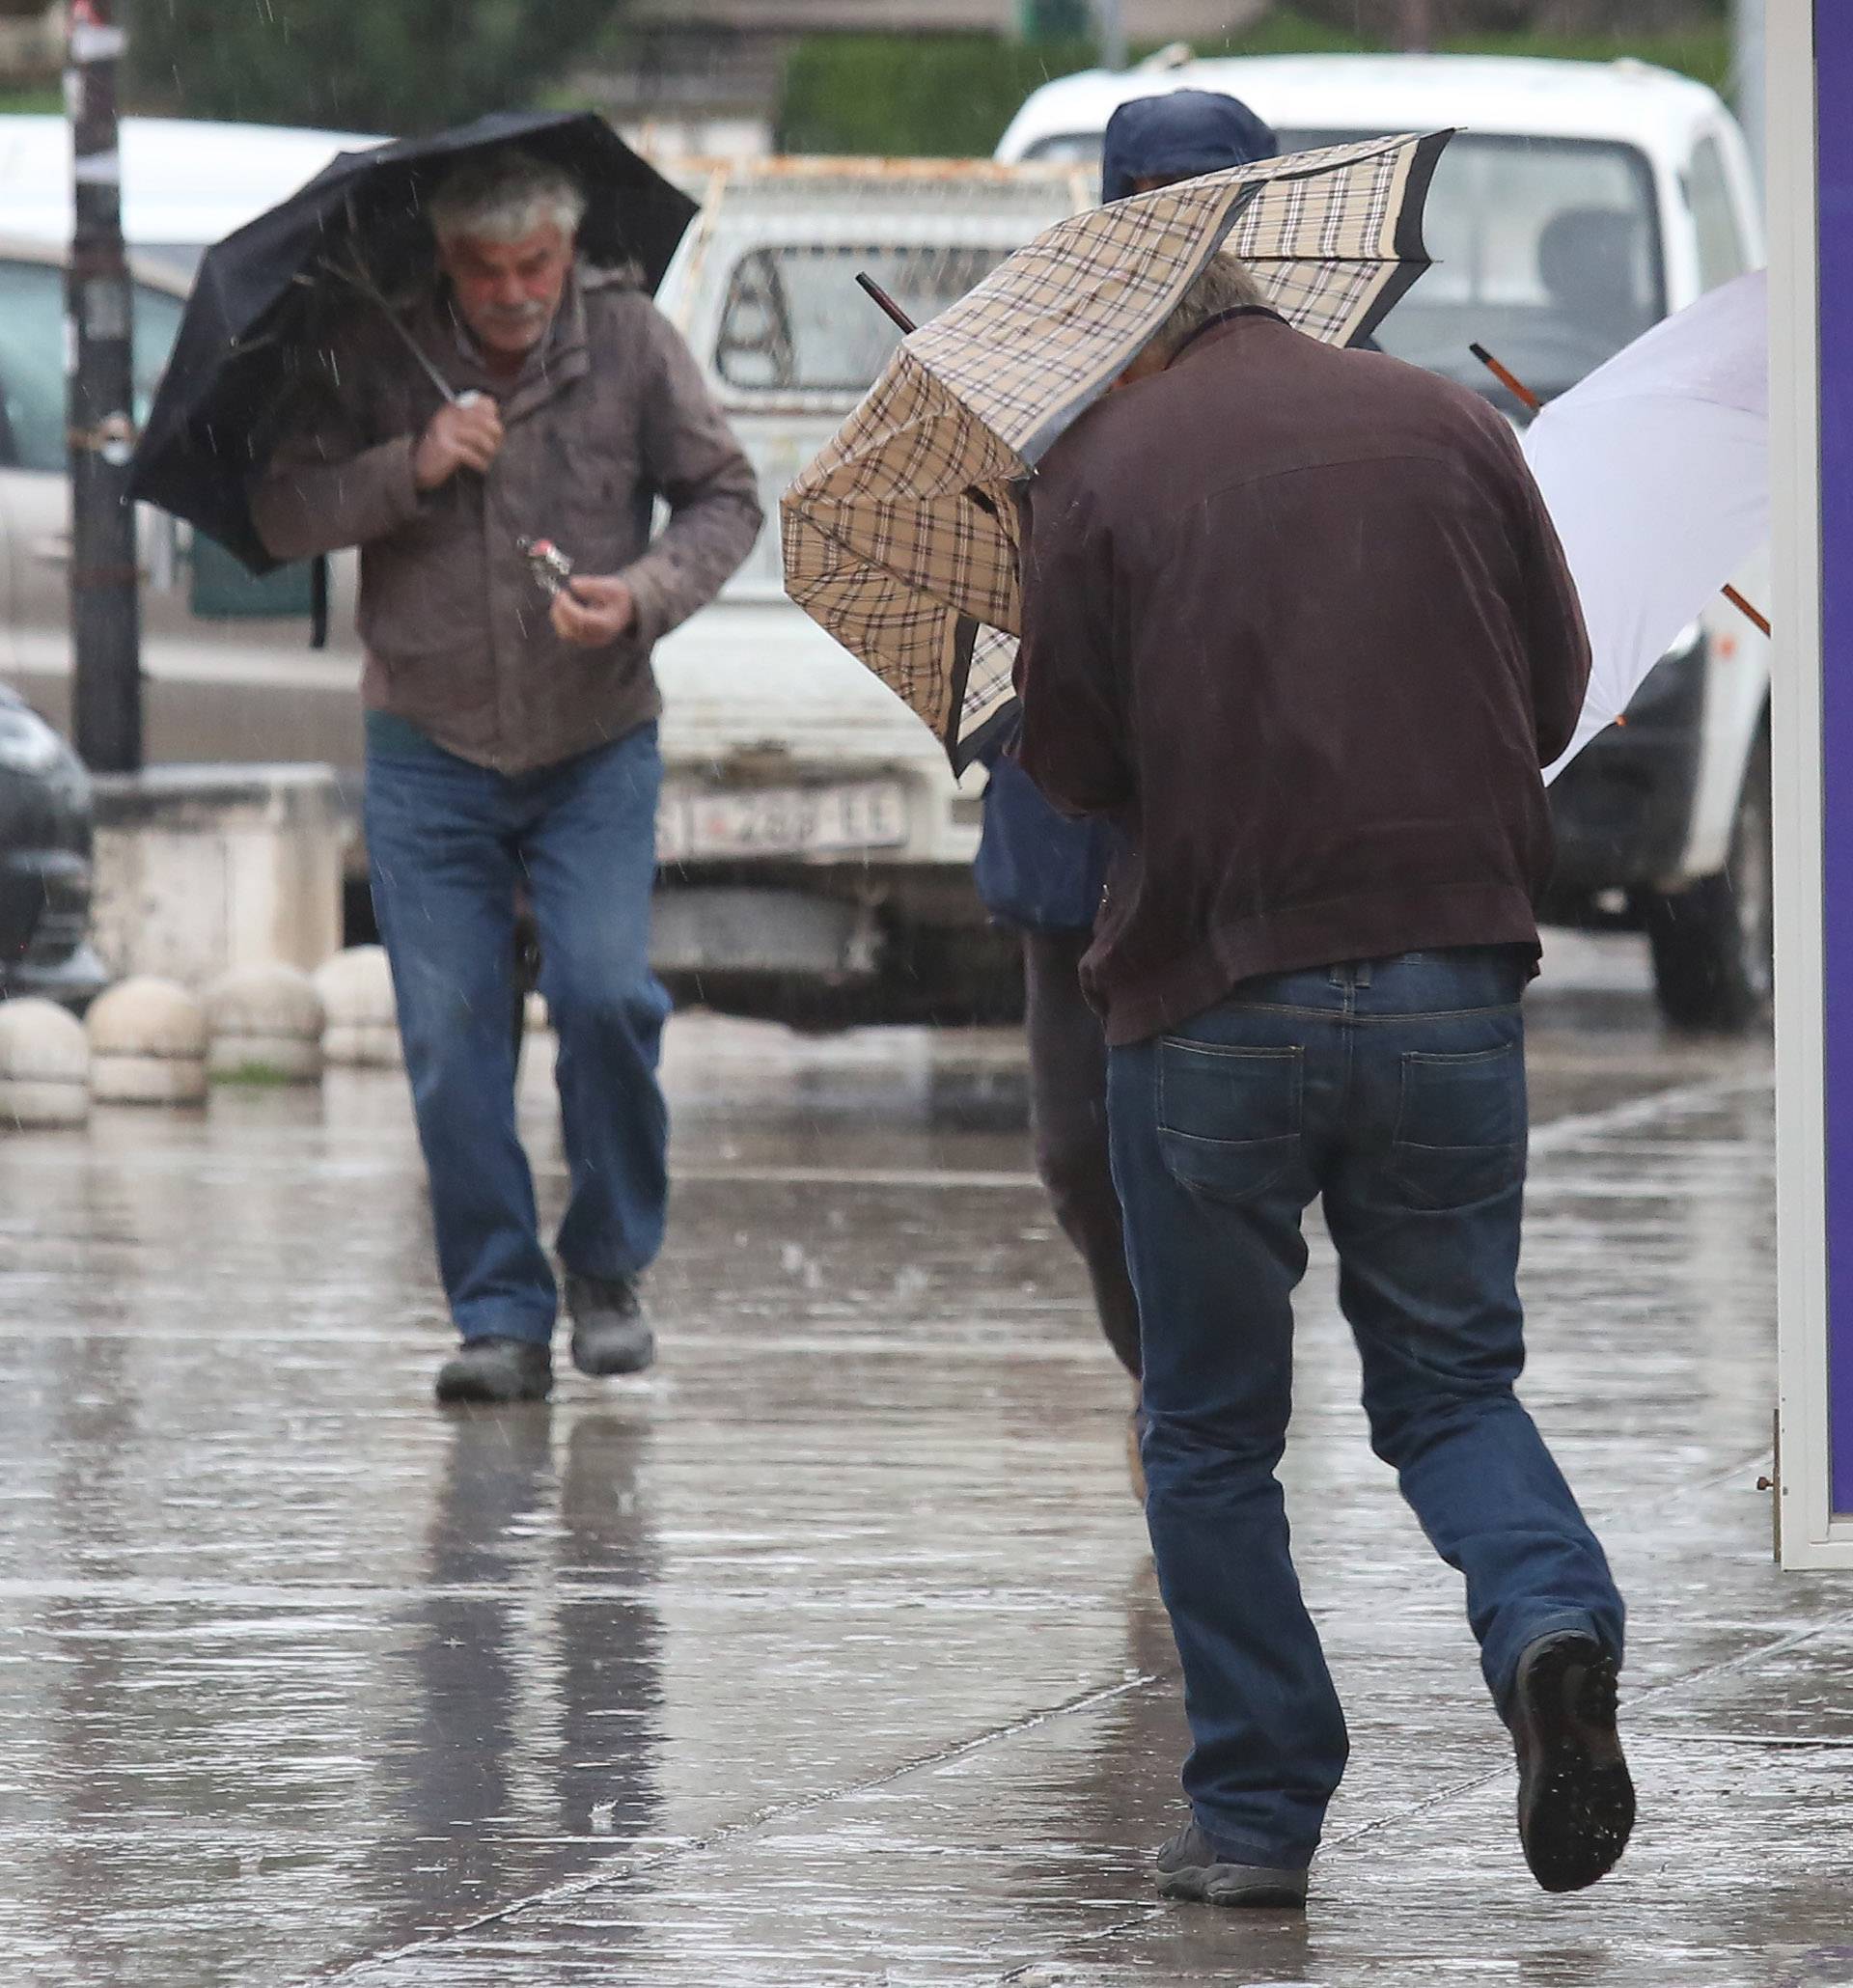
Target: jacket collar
x=554 y=364
x=1213 y=330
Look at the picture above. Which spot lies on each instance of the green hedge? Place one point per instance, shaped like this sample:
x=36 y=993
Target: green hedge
x=950 y=96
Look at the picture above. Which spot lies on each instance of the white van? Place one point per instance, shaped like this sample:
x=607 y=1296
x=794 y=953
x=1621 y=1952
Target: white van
x=1580 y=203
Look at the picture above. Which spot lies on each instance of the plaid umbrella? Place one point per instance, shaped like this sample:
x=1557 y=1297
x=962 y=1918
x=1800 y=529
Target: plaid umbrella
x=900 y=538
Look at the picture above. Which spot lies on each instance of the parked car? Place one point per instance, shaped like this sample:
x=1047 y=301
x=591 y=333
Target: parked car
x=229 y=674
x=186 y=182
x=44 y=862
x=1583 y=203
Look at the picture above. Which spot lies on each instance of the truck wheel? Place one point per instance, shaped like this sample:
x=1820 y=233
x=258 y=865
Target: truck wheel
x=1714 y=944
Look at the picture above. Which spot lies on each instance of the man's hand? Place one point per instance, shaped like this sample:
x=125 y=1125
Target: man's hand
x=458 y=437
x=592 y=609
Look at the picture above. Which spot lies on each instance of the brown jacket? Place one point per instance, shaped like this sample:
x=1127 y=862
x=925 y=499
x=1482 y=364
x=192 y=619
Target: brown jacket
x=608 y=414
x=1295 y=618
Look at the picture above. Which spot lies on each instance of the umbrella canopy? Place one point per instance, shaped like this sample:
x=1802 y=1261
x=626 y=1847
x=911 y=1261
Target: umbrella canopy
x=266 y=294
x=1655 y=471
x=900 y=538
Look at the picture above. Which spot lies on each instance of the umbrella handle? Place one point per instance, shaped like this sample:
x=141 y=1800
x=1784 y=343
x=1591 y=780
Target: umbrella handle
x=1515 y=386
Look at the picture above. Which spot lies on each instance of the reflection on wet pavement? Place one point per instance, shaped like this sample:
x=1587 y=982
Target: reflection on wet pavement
x=829 y=1653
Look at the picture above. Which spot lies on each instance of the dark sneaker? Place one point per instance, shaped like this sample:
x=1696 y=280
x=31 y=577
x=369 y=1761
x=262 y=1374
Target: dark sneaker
x=491 y=1370
x=610 y=1334
x=1191 y=1867
x=1575 y=1799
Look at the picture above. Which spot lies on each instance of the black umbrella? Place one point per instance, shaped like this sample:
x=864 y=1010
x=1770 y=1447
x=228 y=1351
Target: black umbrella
x=266 y=294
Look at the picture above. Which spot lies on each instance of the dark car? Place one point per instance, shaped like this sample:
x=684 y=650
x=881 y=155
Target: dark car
x=44 y=862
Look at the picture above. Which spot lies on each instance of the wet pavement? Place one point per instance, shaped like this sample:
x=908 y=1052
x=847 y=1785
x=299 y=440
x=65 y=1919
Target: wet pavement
x=829 y=1653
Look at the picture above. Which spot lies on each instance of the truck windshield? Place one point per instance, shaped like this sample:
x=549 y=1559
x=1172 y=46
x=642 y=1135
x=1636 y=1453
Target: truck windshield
x=794 y=321
x=1547 y=252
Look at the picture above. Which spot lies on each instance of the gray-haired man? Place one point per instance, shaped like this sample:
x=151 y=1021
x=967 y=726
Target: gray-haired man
x=513 y=742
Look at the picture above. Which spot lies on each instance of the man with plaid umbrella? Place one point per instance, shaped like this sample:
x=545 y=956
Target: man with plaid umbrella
x=1297 y=624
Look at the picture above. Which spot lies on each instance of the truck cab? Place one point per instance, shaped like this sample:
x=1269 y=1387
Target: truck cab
x=1579 y=203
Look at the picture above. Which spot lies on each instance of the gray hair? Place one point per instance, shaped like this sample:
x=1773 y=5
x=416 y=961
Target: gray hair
x=504 y=196
x=1225 y=285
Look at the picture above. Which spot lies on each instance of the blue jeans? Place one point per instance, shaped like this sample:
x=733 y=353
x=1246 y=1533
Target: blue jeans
x=448 y=843
x=1397 y=1092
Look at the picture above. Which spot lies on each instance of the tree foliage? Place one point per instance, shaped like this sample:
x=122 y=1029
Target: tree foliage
x=393 y=66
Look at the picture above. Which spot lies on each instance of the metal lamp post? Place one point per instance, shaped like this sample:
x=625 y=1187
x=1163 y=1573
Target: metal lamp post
x=1112 y=22
x=106 y=619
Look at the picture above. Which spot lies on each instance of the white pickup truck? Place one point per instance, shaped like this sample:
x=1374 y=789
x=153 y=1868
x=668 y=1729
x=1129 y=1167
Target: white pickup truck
x=816 y=848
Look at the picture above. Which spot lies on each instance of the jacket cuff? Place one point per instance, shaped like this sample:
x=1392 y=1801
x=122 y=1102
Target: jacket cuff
x=655 y=614
x=398 y=479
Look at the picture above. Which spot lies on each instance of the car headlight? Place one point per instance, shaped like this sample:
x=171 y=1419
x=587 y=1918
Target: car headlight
x=27 y=743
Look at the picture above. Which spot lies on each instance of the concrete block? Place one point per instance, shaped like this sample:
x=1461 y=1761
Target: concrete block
x=147 y=1044
x=265 y=1024
x=361 y=1026
x=45 y=1066
x=203 y=869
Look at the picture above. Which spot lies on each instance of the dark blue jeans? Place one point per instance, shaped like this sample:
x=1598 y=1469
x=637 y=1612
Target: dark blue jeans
x=448 y=843
x=1396 y=1091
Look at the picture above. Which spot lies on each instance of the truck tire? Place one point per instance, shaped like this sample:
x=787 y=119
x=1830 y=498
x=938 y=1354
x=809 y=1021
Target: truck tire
x=1714 y=943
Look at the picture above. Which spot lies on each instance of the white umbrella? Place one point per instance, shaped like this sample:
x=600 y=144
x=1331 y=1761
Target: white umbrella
x=1655 y=470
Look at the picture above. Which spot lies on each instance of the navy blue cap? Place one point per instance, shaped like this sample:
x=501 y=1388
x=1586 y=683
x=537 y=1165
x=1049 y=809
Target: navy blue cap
x=1178 y=135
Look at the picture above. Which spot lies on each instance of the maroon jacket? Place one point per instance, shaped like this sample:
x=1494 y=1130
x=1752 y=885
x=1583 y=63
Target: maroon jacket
x=1296 y=620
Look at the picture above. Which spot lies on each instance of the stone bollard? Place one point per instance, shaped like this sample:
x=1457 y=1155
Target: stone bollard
x=44 y=1065
x=356 y=989
x=264 y=1025
x=147 y=1044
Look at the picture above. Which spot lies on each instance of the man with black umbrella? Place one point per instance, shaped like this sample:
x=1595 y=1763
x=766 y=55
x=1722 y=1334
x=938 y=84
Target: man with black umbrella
x=524 y=397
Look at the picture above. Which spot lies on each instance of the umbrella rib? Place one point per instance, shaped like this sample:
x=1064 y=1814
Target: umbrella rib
x=362 y=281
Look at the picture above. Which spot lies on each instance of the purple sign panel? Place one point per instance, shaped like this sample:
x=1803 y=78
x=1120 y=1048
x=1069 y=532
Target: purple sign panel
x=1834 y=86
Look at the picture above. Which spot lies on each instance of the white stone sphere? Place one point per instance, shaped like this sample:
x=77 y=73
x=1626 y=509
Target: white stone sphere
x=147 y=1044
x=264 y=1022
x=356 y=990
x=44 y=1065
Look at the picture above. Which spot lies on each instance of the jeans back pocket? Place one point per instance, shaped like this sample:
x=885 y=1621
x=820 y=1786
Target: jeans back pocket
x=1460 y=1125
x=1229 y=1119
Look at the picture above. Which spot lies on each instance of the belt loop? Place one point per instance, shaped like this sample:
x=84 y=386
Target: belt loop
x=1336 y=976
x=1361 y=978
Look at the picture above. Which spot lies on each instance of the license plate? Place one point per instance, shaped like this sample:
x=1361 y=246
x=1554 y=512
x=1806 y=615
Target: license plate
x=695 y=822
